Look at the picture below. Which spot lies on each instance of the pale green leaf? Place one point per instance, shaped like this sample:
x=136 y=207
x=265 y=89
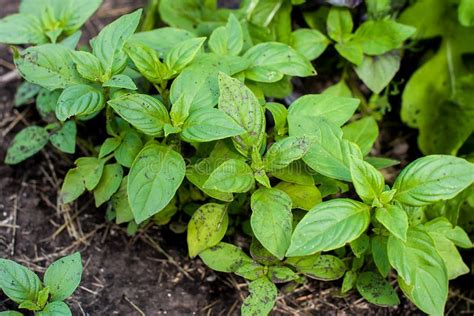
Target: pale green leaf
x=21 y=29
x=228 y=39
x=79 y=100
x=261 y=299
x=339 y=24
x=363 y=132
x=231 y=176
x=394 y=219
x=109 y=183
x=377 y=72
x=224 y=257
x=183 y=54
x=368 y=181
x=309 y=43
x=63 y=276
x=302 y=196
x=120 y=82
x=18 y=283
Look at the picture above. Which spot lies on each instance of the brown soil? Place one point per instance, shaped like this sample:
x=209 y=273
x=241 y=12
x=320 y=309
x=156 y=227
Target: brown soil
x=149 y=273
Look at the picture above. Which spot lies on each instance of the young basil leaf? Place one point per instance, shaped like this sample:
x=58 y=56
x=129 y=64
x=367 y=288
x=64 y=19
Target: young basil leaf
x=109 y=183
x=79 y=100
x=352 y=51
x=25 y=93
x=183 y=54
x=281 y=274
x=88 y=65
x=270 y=61
x=18 y=283
x=120 y=204
x=339 y=24
x=304 y=197
x=108 y=45
x=156 y=174
x=237 y=101
x=91 y=170
x=279 y=113
x=63 y=276
x=368 y=181
x=142 y=111
x=380 y=255
x=26 y=143
x=394 y=219
x=129 y=148
x=466 y=13
x=376 y=290
x=363 y=132
x=456 y=234
x=382 y=163
x=261 y=299
x=55 y=308
x=231 y=176
x=208 y=124
x=229 y=39
x=49 y=66
x=378 y=37
x=319 y=267
x=224 y=257
x=360 y=245
x=309 y=43
x=336 y=110
x=433 y=178
x=199 y=173
x=198 y=83
x=422 y=273
x=147 y=62
x=207 y=227
x=349 y=281
x=169 y=38
x=21 y=29
x=73 y=186
x=64 y=139
x=43 y=297
x=109 y=145
x=271 y=220
x=285 y=151
x=29 y=305
x=329 y=225
x=378 y=71
x=340 y=89
x=120 y=82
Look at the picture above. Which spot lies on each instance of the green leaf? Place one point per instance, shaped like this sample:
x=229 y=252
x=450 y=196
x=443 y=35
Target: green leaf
x=183 y=54
x=360 y=245
x=465 y=13
x=73 y=186
x=79 y=100
x=229 y=39
x=207 y=227
x=18 y=283
x=156 y=174
x=91 y=170
x=279 y=113
x=328 y=226
x=179 y=112
x=63 y=276
x=120 y=204
x=421 y=269
x=169 y=38
x=340 y=89
x=302 y=196
x=270 y=61
x=10 y=313
x=296 y=172
x=456 y=234
x=49 y=66
x=319 y=267
x=376 y=290
x=208 y=124
x=198 y=83
x=26 y=143
x=142 y=111
x=336 y=110
x=251 y=271
x=394 y=219
x=455 y=266
x=88 y=65
x=309 y=43
x=381 y=163
x=224 y=257
x=109 y=145
x=352 y=51
x=378 y=37
x=29 y=305
x=199 y=173
x=43 y=297
x=368 y=181
x=129 y=148
x=64 y=139
x=238 y=102
x=433 y=178
x=281 y=274
x=108 y=45
x=120 y=82
x=25 y=93
x=271 y=220
x=378 y=71
x=329 y=154
x=46 y=103
x=285 y=151
x=55 y=308
x=380 y=255
x=363 y=132
x=349 y=281
x=231 y=176
x=109 y=183
x=261 y=299
x=21 y=29
x=339 y=24
x=147 y=62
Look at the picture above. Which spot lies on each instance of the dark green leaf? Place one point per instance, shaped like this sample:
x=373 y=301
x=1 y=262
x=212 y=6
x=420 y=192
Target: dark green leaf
x=26 y=143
